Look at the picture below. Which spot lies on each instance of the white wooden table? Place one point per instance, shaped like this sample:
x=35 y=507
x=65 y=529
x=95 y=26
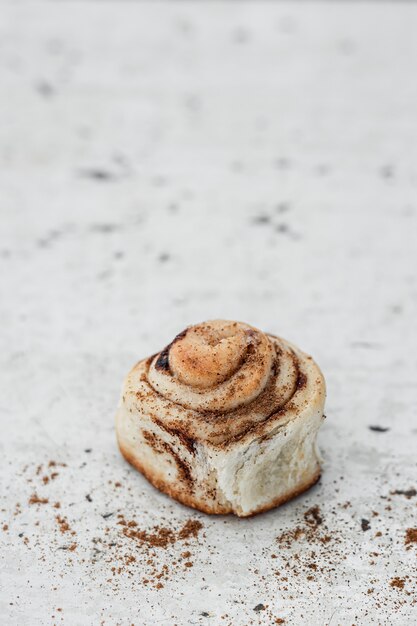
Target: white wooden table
x=162 y=164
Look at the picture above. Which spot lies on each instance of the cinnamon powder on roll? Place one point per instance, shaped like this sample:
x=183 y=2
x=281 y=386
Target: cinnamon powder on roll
x=224 y=418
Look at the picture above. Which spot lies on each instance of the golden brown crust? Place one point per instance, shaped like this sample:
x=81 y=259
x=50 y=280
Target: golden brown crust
x=205 y=507
x=178 y=494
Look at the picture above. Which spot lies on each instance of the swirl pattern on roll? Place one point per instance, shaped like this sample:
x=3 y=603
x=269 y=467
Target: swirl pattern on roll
x=219 y=380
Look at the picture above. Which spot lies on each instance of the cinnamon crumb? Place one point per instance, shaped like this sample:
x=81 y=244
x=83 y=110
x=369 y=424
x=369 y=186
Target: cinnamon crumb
x=191 y=528
x=63 y=524
x=410 y=536
x=313 y=517
x=34 y=499
x=186 y=555
x=397 y=582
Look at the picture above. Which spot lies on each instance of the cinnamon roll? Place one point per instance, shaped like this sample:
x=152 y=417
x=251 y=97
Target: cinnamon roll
x=224 y=419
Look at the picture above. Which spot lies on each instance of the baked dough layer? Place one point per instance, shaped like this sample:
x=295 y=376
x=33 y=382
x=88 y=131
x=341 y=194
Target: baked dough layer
x=224 y=419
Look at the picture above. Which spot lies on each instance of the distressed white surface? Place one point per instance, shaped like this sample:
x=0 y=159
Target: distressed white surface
x=206 y=117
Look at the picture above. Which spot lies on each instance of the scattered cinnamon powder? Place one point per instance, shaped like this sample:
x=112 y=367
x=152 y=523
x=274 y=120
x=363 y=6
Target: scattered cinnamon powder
x=313 y=517
x=319 y=554
x=147 y=545
x=64 y=527
x=159 y=537
x=191 y=528
x=397 y=583
x=410 y=536
x=55 y=464
x=34 y=499
x=186 y=555
x=314 y=549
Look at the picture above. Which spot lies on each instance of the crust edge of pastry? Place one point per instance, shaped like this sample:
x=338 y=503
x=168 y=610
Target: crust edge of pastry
x=189 y=500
